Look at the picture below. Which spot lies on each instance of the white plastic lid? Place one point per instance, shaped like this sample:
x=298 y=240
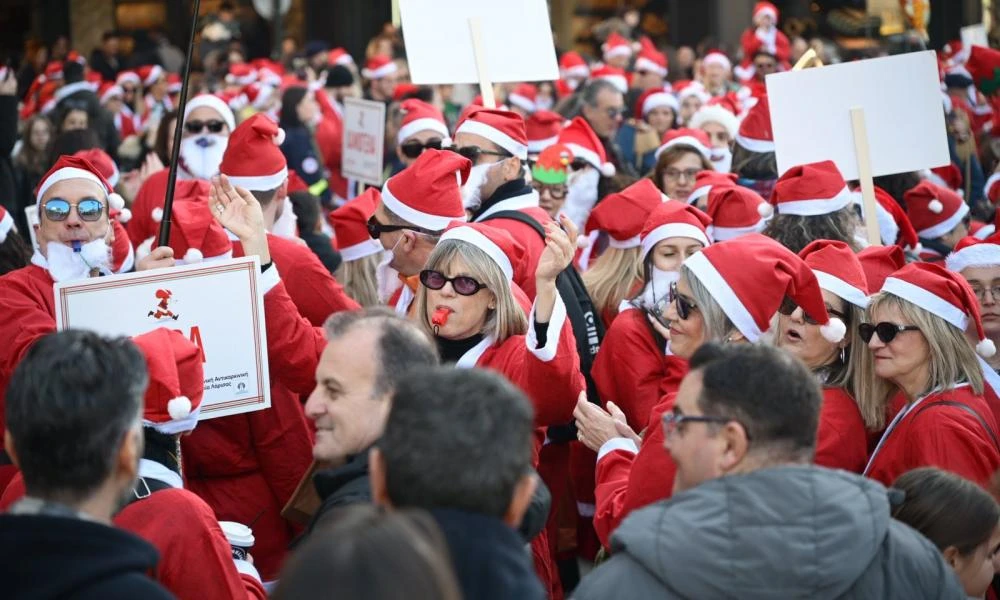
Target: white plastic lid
x=237 y=534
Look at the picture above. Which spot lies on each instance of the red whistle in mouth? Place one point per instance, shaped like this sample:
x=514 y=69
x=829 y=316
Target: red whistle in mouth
x=441 y=316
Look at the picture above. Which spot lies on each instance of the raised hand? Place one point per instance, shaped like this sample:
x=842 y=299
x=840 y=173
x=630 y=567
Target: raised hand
x=238 y=211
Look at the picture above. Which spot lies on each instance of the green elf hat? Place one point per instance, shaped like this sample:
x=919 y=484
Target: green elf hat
x=552 y=165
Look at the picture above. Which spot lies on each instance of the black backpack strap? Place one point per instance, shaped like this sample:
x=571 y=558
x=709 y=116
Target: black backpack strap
x=968 y=409
x=520 y=217
x=145 y=487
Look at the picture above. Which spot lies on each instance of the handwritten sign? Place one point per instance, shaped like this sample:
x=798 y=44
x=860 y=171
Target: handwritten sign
x=364 y=140
x=218 y=306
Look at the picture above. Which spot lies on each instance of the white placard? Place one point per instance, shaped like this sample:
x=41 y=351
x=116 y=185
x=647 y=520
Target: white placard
x=517 y=40
x=901 y=99
x=364 y=140
x=218 y=306
x=974 y=35
x=31 y=215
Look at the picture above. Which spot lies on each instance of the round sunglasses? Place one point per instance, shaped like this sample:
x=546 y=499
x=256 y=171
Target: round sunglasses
x=462 y=284
x=885 y=331
x=213 y=126
x=413 y=148
x=89 y=209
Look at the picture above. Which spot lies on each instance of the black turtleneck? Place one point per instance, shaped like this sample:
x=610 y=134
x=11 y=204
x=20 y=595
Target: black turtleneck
x=452 y=350
x=511 y=189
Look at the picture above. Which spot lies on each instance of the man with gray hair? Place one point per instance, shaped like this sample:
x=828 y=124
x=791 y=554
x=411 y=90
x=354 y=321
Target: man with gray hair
x=602 y=105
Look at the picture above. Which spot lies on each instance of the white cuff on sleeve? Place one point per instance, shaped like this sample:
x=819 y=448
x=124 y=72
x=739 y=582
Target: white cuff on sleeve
x=268 y=279
x=617 y=443
x=246 y=568
x=556 y=322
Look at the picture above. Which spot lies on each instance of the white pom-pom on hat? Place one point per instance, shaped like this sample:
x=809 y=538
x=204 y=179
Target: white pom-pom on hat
x=193 y=255
x=608 y=170
x=986 y=348
x=279 y=138
x=765 y=210
x=935 y=206
x=124 y=215
x=582 y=241
x=157 y=214
x=179 y=407
x=834 y=331
x=115 y=201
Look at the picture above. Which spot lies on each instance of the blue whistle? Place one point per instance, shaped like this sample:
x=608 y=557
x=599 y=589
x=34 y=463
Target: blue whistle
x=76 y=245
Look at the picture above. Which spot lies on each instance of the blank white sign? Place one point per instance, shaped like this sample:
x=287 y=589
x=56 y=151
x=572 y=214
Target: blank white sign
x=516 y=39
x=901 y=98
x=974 y=35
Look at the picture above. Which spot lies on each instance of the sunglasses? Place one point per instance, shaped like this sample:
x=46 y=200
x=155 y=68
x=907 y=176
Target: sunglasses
x=376 y=229
x=214 y=126
x=413 y=148
x=557 y=192
x=463 y=285
x=578 y=164
x=89 y=209
x=788 y=306
x=886 y=331
x=684 y=306
x=474 y=152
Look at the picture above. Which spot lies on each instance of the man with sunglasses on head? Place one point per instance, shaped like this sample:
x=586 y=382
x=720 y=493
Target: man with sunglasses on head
x=74 y=236
x=743 y=434
x=423 y=127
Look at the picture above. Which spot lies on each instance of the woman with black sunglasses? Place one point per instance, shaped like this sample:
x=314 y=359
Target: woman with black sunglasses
x=726 y=293
x=842 y=368
x=928 y=372
x=423 y=127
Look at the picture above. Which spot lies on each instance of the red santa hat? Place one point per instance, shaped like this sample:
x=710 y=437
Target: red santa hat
x=691 y=88
x=750 y=276
x=974 y=252
x=122 y=253
x=623 y=215
x=241 y=74
x=174 y=83
x=339 y=56
x=6 y=224
x=100 y=159
x=150 y=74
x=716 y=113
x=378 y=66
x=195 y=235
x=736 y=211
x=650 y=59
x=616 y=46
x=404 y=90
x=893 y=224
x=934 y=210
x=253 y=159
x=992 y=188
x=580 y=138
x=709 y=179
x=755 y=133
x=571 y=64
x=350 y=225
x=942 y=293
x=542 y=129
x=176 y=387
x=498 y=244
x=502 y=127
x=215 y=103
x=765 y=8
x=76 y=57
x=108 y=91
x=948 y=176
x=128 y=77
x=696 y=139
x=717 y=57
x=838 y=270
x=76 y=167
x=53 y=70
x=258 y=94
x=420 y=116
x=982 y=65
x=268 y=72
x=674 y=219
x=428 y=192
x=655 y=98
x=523 y=96
x=879 y=262
x=613 y=75
x=811 y=190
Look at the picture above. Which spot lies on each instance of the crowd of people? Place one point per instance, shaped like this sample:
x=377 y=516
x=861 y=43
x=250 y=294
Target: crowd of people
x=589 y=343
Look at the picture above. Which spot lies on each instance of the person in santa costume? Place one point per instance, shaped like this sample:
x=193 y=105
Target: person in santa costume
x=916 y=333
x=705 y=182
x=617 y=51
x=423 y=126
x=590 y=164
x=573 y=71
x=735 y=210
x=542 y=129
x=754 y=161
x=112 y=98
x=156 y=100
x=764 y=37
x=360 y=253
x=122 y=254
x=940 y=217
x=74 y=233
x=655 y=113
x=207 y=124
x=721 y=125
x=522 y=100
x=195 y=237
x=812 y=202
x=840 y=367
x=380 y=73
x=717 y=74
x=726 y=293
x=682 y=154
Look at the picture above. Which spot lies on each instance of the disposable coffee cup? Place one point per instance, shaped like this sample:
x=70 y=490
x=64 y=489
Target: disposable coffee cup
x=240 y=538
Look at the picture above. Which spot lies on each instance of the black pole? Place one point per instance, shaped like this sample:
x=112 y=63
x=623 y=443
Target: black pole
x=276 y=18
x=168 y=202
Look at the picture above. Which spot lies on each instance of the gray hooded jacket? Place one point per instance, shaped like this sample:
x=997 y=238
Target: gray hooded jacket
x=784 y=532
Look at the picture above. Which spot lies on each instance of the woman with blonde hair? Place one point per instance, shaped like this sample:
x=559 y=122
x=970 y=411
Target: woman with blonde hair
x=359 y=251
x=916 y=334
x=681 y=156
x=617 y=272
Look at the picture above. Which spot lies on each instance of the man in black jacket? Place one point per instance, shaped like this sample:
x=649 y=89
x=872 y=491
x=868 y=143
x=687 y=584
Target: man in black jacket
x=77 y=94
x=74 y=429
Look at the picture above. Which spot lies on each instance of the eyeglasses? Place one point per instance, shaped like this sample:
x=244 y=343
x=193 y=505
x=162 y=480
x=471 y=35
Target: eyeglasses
x=615 y=113
x=676 y=174
x=413 y=148
x=788 y=307
x=980 y=292
x=463 y=285
x=474 y=152
x=684 y=306
x=765 y=66
x=376 y=229
x=557 y=192
x=886 y=331
x=214 y=126
x=89 y=209
x=642 y=73
x=674 y=421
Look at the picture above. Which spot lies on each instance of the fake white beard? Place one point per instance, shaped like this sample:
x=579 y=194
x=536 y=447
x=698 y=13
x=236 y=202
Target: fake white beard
x=656 y=293
x=472 y=191
x=64 y=264
x=202 y=155
x=387 y=278
x=581 y=195
x=722 y=159
x=284 y=225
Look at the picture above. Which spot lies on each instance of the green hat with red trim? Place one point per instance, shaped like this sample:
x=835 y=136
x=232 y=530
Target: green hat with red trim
x=552 y=164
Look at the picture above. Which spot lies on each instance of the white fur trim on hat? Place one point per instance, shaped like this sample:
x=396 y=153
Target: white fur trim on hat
x=724 y=295
x=715 y=114
x=643 y=63
x=619 y=81
x=496 y=136
x=717 y=58
x=425 y=124
x=412 y=215
x=592 y=158
x=68 y=173
x=179 y=424
x=755 y=145
x=928 y=301
x=977 y=255
x=216 y=104
x=470 y=236
x=660 y=100
x=360 y=250
x=834 y=331
x=616 y=51
x=521 y=102
x=721 y=234
x=387 y=69
x=841 y=288
x=261 y=183
x=685 y=140
x=765 y=10
x=179 y=407
x=942 y=228
x=669 y=230
x=994 y=179
x=817 y=206
x=536 y=146
x=632 y=242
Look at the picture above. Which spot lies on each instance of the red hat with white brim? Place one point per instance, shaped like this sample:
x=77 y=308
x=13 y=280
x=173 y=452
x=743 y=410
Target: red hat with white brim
x=674 y=219
x=172 y=402
x=428 y=192
x=502 y=127
x=350 y=225
x=838 y=270
x=811 y=190
x=736 y=211
x=253 y=159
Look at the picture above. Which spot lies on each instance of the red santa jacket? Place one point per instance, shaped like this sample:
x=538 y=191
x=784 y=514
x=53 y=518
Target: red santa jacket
x=842 y=440
x=125 y=123
x=150 y=198
x=954 y=437
x=528 y=237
